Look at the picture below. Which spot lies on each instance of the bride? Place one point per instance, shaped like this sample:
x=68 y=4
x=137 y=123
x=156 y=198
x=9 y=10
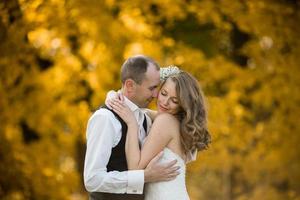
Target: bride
x=178 y=131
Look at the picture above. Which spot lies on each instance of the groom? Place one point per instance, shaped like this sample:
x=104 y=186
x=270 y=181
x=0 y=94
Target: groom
x=106 y=176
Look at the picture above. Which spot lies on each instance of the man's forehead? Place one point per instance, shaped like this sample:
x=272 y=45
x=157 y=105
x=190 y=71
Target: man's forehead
x=152 y=73
x=152 y=79
x=152 y=68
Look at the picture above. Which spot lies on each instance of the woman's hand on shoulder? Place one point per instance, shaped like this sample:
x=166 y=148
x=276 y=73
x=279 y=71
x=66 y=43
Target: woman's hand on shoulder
x=119 y=107
x=111 y=95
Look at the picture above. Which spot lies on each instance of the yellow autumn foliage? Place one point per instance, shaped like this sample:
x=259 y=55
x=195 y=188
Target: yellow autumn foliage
x=59 y=58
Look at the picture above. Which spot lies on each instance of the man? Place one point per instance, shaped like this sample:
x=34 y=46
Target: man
x=105 y=172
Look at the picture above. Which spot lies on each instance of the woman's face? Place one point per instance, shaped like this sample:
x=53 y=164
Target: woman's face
x=167 y=100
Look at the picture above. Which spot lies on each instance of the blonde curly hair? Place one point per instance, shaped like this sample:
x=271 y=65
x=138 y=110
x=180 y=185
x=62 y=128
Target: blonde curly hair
x=192 y=114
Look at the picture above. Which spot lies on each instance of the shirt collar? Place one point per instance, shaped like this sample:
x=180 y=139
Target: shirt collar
x=138 y=113
x=133 y=107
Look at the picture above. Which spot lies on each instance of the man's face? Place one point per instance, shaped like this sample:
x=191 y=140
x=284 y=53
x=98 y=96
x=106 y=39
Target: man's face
x=148 y=89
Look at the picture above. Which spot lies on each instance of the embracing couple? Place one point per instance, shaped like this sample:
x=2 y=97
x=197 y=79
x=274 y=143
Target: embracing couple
x=136 y=153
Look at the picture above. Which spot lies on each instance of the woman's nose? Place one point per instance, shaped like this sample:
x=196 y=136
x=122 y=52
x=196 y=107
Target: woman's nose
x=165 y=101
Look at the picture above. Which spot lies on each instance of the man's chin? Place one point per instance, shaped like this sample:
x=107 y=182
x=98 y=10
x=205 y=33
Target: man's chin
x=143 y=105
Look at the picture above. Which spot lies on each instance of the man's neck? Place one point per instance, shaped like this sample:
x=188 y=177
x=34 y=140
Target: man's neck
x=127 y=95
x=129 y=98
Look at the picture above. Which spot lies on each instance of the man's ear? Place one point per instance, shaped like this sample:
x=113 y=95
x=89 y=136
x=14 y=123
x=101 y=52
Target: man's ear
x=130 y=85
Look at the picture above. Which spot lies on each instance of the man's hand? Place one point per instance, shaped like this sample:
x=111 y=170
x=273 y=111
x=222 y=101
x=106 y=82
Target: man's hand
x=156 y=172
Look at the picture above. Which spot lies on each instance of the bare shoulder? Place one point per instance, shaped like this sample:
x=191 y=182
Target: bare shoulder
x=166 y=121
x=166 y=117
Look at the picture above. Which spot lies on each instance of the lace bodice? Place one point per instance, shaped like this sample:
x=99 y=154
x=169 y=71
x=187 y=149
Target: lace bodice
x=170 y=190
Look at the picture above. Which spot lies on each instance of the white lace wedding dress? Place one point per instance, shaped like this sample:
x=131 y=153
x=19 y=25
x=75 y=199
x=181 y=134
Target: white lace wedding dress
x=169 y=190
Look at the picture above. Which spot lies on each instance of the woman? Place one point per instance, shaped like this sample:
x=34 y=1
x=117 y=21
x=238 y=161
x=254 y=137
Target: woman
x=179 y=130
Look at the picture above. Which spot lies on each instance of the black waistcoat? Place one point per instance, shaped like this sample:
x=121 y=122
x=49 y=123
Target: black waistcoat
x=117 y=162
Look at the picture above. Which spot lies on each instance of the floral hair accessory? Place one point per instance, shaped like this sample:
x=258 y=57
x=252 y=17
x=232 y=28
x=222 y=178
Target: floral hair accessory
x=165 y=72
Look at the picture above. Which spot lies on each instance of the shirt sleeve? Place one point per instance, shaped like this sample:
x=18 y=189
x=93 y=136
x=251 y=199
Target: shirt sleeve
x=135 y=182
x=101 y=133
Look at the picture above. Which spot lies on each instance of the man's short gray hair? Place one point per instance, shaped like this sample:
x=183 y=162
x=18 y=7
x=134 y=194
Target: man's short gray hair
x=135 y=68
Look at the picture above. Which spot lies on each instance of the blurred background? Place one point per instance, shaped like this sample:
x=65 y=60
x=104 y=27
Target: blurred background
x=58 y=58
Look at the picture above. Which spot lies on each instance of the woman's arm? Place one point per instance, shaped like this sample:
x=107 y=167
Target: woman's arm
x=157 y=139
x=132 y=149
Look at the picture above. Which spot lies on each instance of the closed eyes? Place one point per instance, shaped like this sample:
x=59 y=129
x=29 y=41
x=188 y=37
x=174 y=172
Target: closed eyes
x=173 y=99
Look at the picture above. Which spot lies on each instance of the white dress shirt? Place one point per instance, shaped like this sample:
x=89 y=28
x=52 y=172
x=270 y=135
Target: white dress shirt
x=103 y=133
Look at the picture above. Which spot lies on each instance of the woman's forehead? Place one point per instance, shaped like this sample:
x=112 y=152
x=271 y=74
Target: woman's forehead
x=170 y=86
